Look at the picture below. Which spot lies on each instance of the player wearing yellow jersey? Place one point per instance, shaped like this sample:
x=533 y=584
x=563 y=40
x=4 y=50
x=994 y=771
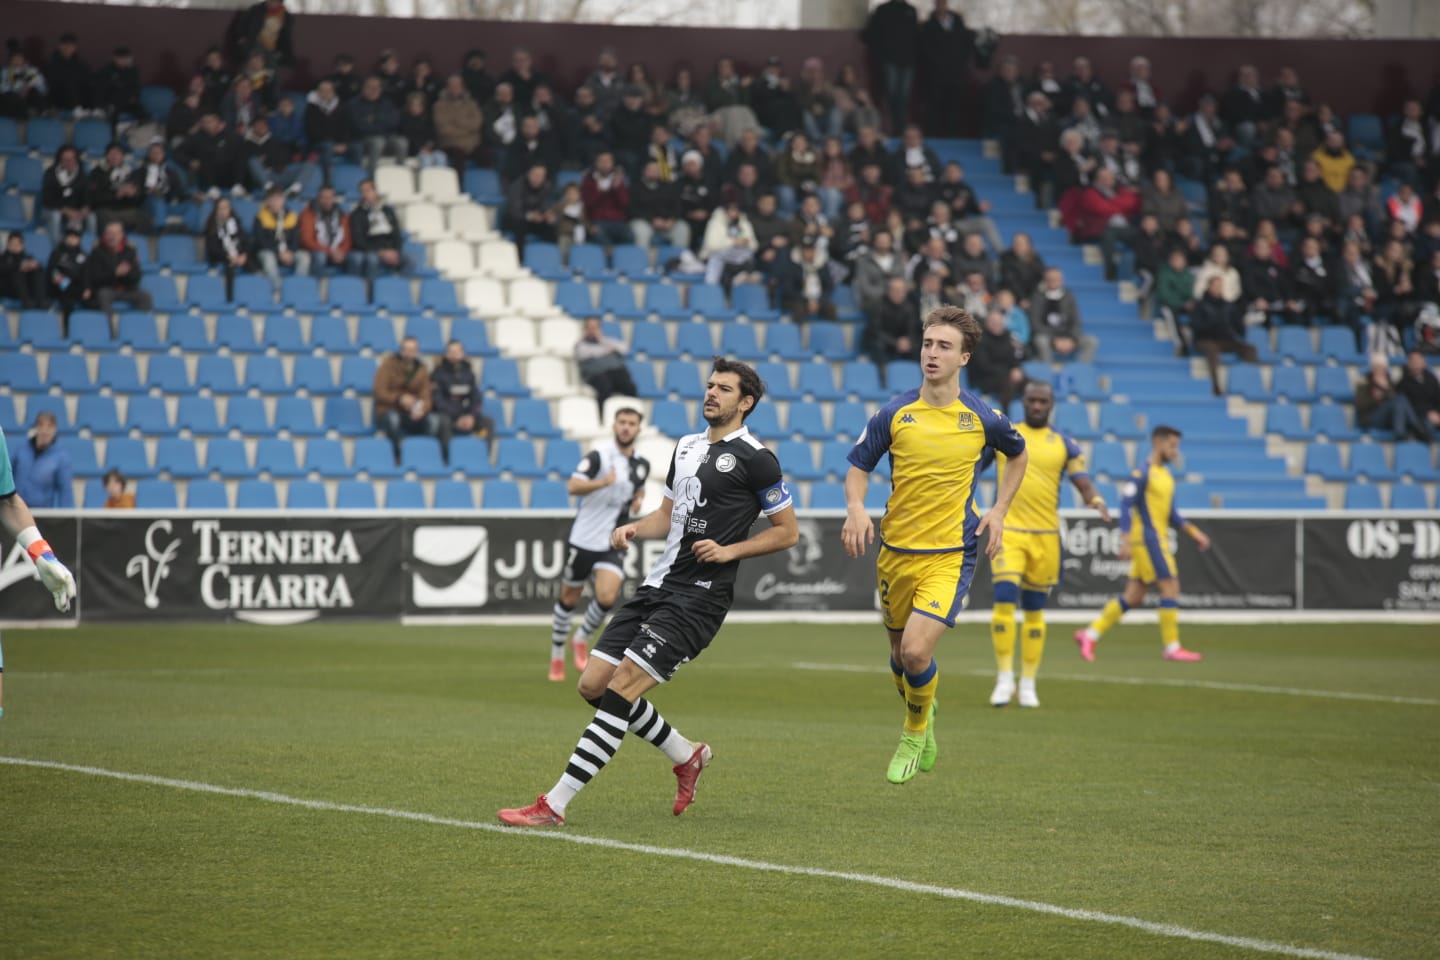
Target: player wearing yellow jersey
x=1028 y=563
x=938 y=438
x=1147 y=515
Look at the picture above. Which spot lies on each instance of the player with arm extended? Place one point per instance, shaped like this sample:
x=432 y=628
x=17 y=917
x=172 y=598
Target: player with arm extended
x=719 y=482
x=1027 y=565
x=938 y=437
x=1147 y=515
x=610 y=482
x=16 y=521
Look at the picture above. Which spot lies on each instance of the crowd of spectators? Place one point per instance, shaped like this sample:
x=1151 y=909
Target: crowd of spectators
x=444 y=401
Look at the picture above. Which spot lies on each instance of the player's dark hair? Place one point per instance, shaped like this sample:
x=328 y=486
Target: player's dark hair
x=750 y=383
x=631 y=410
x=1162 y=432
x=960 y=319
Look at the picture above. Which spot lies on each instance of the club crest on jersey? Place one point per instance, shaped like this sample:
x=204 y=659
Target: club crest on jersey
x=967 y=421
x=725 y=462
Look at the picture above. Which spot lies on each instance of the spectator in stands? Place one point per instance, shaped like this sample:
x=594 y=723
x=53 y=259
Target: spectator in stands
x=941 y=225
x=1216 y=327
x=1243 y=106
x=775 y=105
x=835 y=177
x=277 y=239
x=1265 y=284
x=1334 y=160
x=457 y=395
x=892 y=326
x=913 y=153
x=1003 y=107
x=117 y=86
x=22 y=277
x=748 y=149
x=892 y=34
x=1056 y=331
x=1147 y=95
x=628 y=129
x=270 y=163
x=1083 y=83
x=1207 y=142
x=478 y=81
x=114 y=192
x=1407 y=147
x=969 y=212
x=241 y=106
x=68 y=274
x=1021 y=269
x=1072 y=169
x=698 y=197
x=1151 y=245
x=1405 y=207
x=116 y=496
x=803 y=285
x=1161 y=199
x=729 y=246
x=527 y=207
x=1230 y=200
x=1359 y=199
x=325 y=233
x=269 y=28
x=994 y=367
x=423 y=80
x=1314 y=283
x=973 y=295
x=113 y=271
x=404 y=398
x=1395 y=296
x=914 y=196
x=522 y=76
x=816 y=97
x=606 y=195
x=211 y=156
x=601 y=361
x=377 y=242
x=217 y=78
x=1082 y=121
x=725 y=87
x=572 y=226
x=684 y=102
x=869 y=149
x=374 y=125
x=947 y=48
x=1427 y=279
x=458 y=123
x=392 y=81
x=1419 y=386
x=502 y=122
x=972 y=258
x=1286 y=89
x=68 y=76
x=1112 y=155
x=161 y=183
x=42 y=467
x=417 y=129
x=1175 y=293
x=327 y=125
x=1316 y=198
x=1105 y=211
x=745 y=190
x=659 y=151
x=875 y=270
x=872 y=192
x=65 y=194
x=1163 y=137
x=797 y=171
x=185 y=113
x=1379 y=406
x=768 y=226
x=22 y=88
x=934 y=258
x=1275 y=200
x=227 y=244
x=1017 y=320
x=655 y=210
x=1356 y=301
x=1218 y=264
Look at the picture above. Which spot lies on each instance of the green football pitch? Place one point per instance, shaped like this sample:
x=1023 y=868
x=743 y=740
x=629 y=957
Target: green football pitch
x=330 y=791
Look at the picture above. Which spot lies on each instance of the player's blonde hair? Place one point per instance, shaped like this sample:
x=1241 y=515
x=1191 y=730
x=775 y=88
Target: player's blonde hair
x=960 y=319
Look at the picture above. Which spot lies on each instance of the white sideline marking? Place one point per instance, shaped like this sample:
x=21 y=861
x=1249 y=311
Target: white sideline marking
x=1160 y=682
x=951 y=893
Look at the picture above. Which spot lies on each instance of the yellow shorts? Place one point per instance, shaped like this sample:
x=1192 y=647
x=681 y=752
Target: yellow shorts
x=1151 y=563
x=935 y=585
x=1029 y=559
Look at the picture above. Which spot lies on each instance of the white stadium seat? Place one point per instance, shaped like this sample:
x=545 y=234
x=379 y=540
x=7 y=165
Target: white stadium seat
x=558 y=336
x=455 y=259
x=578 y=417
x=396 y=184
x=533 y=298
x=499 y=258
x=514 y=336
x=469 y=221
x=424 y=222
x=440 y=185
x=550 y=377
x=485 y=296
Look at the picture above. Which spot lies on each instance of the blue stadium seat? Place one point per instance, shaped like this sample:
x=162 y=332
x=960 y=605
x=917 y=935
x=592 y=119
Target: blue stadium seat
x=573 y=297
x=41 y=330
x=797 y=460
x=681 y=380
x=1192 y=496
x=282 y=332
x=156 y=495
x=500 y=495
x=753 y=301
x=1413 y=460
x=1366 y=131
x=189 y=333
x=588 y=260
x=543 y=260
x=128 y=455
x=227 y=457
x=1334 y=384
x=306 y=495
x=847 y=419
x=1368 y=462
x=393 y=294
x=1363 y=496
x=1284 y=419
x=83 y=460
x=738 y=340
x=696 y=340
x=902 y=375
x=347 y=294
x=549 y=495
x=764 y=422
x=69 y=373
x=265 y=374
x=95 y=495
x=642 y=372
x=301 y=294
x=346 y=177
x=1292 y=383
x=827 y=496
x=90 y=329
x=618 y=299
x=473 y=336
x=1329 y=420
x=1108 y=459
x=10 y=137
x=1323 y=460
x=217 y=374
x=91 y=136
x=501 y=375
x=138 y=331
x=345 y=416
x=277 y=458
x=1073 y=419
x=325 y=457
x=532 y=418
x=358 y=374
x=663 y=300
x=313 y=375
x=354 y=495
x=708 y=300
x=828 y=340
x=403 y=495
x=517 y=457
x=1121 y=421
x=861 y=378
x=247 y=415
x=426 y=330
x=650 y=339
x=156 y=102
x=1294 y=343
x=1338 y=344
x=808 y=420
x=560 y=458
x=27 y=174
x=1409 y=496
x=256 y=495
x=297 y=415
x=206 y=293
x=817 y=380
x=423 y=456
x=197 y=415
x=331 y=334
x=12 y=213
x=1245 y=380
x=374 y=456
x=876 y=496
x=776 y=376
x=439 y=296
x=254 y=293
x=176 y=456
x=454 y=495
x=51 y=404
x=783 y=340
x=98 y=415
x=377 y=333
x=471 y=457
x=631 y=262
x=206 y=495
x=165 y=297
x=670 y=418
x=148 y=416
x=179 y=253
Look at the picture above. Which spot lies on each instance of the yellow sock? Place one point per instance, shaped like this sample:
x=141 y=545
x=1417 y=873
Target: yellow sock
x=919 y=694
x=1110 y=616
x=1169 y=622
x=1002 y=632
x=1032 y=645
x=899 y=676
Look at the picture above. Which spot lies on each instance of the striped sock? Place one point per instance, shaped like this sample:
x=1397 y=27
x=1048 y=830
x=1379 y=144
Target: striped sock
x=919 y=694
x=596 y=747
x=594 y=616
x=647 y=724
x=559 y=629
x=899 y=677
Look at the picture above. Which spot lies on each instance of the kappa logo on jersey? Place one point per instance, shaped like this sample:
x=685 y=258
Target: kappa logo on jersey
x=906 y=418
x=450 y=567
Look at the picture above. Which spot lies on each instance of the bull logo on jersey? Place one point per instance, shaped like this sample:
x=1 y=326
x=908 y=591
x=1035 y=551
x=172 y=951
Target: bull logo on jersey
x=967 y=421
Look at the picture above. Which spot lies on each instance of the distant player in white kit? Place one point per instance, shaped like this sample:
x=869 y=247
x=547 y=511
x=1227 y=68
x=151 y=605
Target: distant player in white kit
x=611 y=480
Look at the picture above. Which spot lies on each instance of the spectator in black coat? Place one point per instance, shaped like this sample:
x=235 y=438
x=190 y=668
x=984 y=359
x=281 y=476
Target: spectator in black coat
x=1002 y=106
x=211 y=155
x=1314 y=281
x=22 y=88
x=655 y=210
x=868 y=149
x=698 y=199
x=344 y=78
x=803 y=285
x=530 y=147
x=1207 y=142
x=65 y=193
x=1243 y=106
x=527 y=207
x=1230 y=200
x=22 y=277
x=522 y=76
x=748 y=149
x=117 y=86
x=270 y=28
x=1036 y=138
x=227 y=242
x=377 y=241
x=1267 y=285
x=113 y=272
x=114 y=192
x=946 y=48
x=892 y=326
x=1419 y=385
x=892 y=34
x=71 y=85
x=1021 y=269
x=775 y=105
x=477 y=79
x=456 y=392
x=994 y=367
x=67 y=274
x=1084 y=83
x=327 y=125
x=1217 y=328
x=374 y=123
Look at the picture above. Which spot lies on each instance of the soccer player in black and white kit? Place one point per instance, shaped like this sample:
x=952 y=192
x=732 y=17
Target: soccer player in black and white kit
x=719 y=482
x=611 y=479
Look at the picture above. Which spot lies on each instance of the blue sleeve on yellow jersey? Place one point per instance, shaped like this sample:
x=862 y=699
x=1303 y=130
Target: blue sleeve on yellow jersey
x=1000 y=433
x=7 y=476
x=1072 y=453
x=875 y=441
x=1132 y=493
x=1177 y=522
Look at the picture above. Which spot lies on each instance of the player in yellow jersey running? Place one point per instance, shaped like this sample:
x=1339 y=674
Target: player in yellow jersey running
x=1147 y=515
x=938 y=438
x=1028 y=563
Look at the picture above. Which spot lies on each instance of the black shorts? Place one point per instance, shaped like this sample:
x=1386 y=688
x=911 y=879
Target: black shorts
x=661 y=629
x=579 y=564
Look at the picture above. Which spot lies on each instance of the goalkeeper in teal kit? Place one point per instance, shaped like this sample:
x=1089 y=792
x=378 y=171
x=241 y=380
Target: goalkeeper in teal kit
x=16 y=521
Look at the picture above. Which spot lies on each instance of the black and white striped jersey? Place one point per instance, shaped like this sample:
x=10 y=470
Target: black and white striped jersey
x=601 y=511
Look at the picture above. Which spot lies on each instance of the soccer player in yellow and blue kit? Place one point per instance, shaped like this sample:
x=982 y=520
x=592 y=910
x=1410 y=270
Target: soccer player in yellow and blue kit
x=938 y=438
x=1147 y=515
x=1028 y=563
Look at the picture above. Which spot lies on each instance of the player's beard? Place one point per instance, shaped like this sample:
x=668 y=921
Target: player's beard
x=721 y=416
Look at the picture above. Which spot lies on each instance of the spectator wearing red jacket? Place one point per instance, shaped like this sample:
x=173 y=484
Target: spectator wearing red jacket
x=1104 y=212
x=606 y=196
x=872 y=192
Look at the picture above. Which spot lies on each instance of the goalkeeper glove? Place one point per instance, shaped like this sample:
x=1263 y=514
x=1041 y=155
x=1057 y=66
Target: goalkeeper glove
x=57 y=579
